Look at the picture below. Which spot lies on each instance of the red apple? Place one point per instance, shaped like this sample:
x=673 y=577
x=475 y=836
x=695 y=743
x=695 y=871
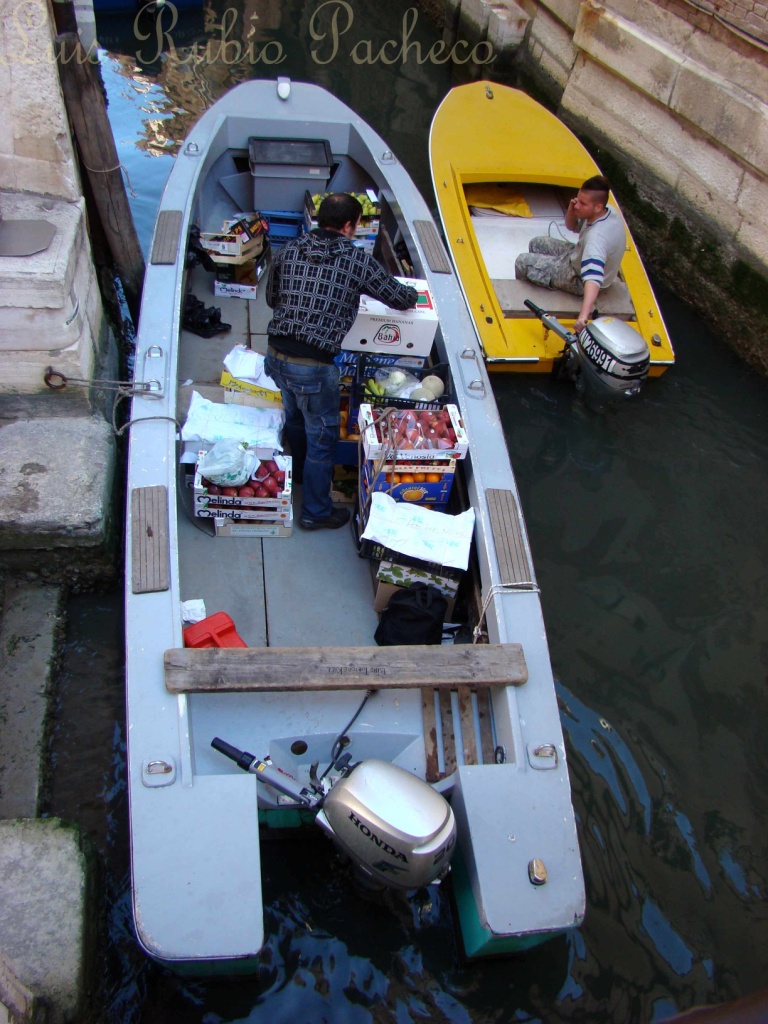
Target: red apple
x=229 y=492
x=246 y=492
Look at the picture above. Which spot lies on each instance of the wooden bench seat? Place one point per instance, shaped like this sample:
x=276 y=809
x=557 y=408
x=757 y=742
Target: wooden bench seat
x=253 y=669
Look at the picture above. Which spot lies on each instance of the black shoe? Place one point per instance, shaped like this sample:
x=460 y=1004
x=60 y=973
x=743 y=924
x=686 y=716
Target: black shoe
x=338 y=518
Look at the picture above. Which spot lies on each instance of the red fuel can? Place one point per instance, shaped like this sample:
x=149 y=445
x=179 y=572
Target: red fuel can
x=217 y=630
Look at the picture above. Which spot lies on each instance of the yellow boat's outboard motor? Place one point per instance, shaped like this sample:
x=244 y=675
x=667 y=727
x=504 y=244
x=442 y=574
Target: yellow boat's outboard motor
x=396 y=829
x=608 y=361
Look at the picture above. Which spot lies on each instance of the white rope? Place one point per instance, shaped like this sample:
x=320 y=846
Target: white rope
x=527 y=586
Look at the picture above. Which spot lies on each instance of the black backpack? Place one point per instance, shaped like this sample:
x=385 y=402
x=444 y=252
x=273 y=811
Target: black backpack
x=414 y=615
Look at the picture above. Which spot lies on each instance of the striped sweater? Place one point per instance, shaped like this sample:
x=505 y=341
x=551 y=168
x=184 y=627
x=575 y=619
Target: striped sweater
x=598 y=252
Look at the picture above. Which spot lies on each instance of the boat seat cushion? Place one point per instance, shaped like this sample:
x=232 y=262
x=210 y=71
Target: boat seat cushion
x=613 y=301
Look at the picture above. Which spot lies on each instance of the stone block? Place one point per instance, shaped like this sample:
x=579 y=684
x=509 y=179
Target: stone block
x=32 y=102
x=473 y=18
x=653 y=19
x=550 y=45
x=30 y=630
x=566 y=11
x=698 y=195
x=50 y=304
x=645 y=61
x=56 y=479
x=43 y=281
x=741 y=70
x=632 y=124
x=753 y=231
x=46 y=910
x=735 y=119
x=506 y=28
x=22 y=373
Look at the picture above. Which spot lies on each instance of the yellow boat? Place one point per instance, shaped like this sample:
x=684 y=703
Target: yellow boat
x=503 y=170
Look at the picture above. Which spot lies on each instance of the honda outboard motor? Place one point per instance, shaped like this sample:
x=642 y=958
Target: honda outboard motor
x=396 y=829
x=608 y=361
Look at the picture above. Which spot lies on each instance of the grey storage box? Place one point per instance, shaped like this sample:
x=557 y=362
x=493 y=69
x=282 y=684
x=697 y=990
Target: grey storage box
x=284 y=169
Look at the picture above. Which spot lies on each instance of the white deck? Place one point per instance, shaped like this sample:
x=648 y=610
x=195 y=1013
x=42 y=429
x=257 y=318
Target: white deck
x=502 y=238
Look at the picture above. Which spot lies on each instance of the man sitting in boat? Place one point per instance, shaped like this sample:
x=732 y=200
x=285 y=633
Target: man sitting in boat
x=584 y=267
x=314 y=290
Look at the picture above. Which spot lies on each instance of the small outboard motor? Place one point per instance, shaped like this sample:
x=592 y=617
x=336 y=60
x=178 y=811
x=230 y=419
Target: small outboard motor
x=608 y=361
x=396 y=829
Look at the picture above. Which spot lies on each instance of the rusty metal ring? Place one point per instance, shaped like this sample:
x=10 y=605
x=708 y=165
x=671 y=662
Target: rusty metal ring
x=50 y=375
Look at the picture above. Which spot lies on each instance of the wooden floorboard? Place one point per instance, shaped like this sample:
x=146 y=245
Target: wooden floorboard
x=149 y=539
x=165 y=248
x=506 y=527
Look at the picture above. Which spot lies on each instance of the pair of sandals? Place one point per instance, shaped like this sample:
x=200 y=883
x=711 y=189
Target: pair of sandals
x=204 y=321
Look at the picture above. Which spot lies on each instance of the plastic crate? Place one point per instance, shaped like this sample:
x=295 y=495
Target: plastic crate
x=367 y=367
x=285 y=225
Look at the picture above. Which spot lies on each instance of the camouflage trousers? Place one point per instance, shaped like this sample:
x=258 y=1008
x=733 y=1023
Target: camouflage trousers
x=548 y=263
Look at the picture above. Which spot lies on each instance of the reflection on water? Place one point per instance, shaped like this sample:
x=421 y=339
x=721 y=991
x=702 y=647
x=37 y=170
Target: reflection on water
x=648 y=534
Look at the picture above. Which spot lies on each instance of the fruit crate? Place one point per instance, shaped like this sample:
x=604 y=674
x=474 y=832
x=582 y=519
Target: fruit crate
x=418 y=483
x=376 y=446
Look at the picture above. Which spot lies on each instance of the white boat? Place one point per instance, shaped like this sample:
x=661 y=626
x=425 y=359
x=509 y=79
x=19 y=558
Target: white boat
x=493 y=754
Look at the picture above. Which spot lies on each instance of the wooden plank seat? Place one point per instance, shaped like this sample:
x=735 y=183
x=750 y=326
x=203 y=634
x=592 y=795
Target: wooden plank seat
x=613 y=301
x=253 y=669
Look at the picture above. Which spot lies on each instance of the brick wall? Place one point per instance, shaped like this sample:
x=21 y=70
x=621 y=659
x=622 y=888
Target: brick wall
x=748 y=18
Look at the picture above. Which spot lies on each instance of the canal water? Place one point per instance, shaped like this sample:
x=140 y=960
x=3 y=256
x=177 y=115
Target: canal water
x=649 y=539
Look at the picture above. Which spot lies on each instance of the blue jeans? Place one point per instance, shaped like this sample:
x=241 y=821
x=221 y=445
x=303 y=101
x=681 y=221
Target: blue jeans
x=311 y=403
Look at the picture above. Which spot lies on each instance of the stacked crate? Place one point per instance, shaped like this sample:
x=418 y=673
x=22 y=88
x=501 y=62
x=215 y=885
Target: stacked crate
x=263 y=507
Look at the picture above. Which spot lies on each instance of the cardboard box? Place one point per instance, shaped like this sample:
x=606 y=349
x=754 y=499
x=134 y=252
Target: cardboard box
x=213 y=506
x=344 y=486
x=240 y=280
x=378 y=328
x=228 y=528
x=233 y=384
x=231 y=290
x=244 y=398
x=239 y=240
x=384 y=592
x=420 y=492
x=375 y=449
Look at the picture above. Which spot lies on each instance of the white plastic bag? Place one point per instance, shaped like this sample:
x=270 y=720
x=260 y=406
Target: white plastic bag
x=213 y=421
x=229 y=463
x=420 y=532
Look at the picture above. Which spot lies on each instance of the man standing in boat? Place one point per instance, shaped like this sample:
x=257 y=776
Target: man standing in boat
x=314 y=290
x=585 y=267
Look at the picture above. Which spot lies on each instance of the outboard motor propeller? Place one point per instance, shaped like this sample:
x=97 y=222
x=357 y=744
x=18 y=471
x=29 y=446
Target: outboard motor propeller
x=396 y=829
x=608 y=361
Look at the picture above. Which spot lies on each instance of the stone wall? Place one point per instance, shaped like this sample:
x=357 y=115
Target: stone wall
x=51 y=311
x=36 y=152
x=673 y=104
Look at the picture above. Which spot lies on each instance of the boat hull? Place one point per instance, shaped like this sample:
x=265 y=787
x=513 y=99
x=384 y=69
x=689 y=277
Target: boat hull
x=518 y=143
x=196 y=823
